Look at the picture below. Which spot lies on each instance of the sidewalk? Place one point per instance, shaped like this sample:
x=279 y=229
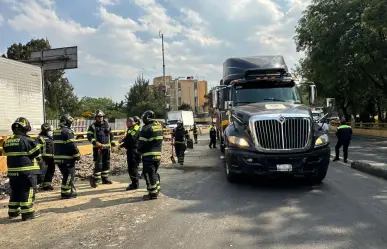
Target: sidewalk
x=367 y=154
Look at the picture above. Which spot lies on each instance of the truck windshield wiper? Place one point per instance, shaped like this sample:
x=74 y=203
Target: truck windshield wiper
x=240 y=102
x=274 y=99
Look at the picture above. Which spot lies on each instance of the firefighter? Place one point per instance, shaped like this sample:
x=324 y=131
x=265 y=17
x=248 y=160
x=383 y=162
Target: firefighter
x=150 y=145
x=180 y=136
x=138 y=122
x=101 y=136
x=195 y=133
x=47 y=150
x=344 y=136
x=66 y=153
x=212 y=136
x=23 y=154
x=130 y=143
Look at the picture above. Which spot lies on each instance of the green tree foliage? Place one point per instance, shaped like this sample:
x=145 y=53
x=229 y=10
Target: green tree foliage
x=142 y=96
x=59 y=93
x=346 y=52
x=112 y=109
x=185 y=107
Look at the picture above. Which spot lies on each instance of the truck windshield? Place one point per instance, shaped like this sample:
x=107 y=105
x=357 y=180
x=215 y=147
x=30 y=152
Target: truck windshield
x=171 y=122
x=265 y=92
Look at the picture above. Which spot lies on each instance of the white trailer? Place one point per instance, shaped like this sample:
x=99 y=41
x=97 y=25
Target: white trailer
x=185 y=116
x=20 y=94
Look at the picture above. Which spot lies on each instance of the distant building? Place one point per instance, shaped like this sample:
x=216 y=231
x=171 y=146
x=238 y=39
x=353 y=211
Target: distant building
x=188 y=90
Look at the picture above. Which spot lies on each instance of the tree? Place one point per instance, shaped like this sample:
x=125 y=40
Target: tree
x=112 y=109
x=185 y=107
x=59 y=93
x=345 y=52
x=142 y=96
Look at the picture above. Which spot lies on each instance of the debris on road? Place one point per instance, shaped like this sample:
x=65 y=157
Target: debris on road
x=84 y=168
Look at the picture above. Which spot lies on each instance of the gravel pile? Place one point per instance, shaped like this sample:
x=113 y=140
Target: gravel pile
x=84 y=168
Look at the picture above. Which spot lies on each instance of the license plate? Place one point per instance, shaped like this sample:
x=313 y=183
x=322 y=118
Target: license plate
x=284 y=167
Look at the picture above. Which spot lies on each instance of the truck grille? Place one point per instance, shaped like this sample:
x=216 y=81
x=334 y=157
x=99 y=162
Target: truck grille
x=293 y=133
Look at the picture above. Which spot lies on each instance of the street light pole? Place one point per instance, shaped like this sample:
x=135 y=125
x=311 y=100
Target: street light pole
x=165 y=83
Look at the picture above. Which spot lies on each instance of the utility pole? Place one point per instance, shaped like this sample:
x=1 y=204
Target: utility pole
x=165 y=83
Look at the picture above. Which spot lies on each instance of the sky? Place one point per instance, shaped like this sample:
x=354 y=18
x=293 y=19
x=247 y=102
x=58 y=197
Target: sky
x=119 y=39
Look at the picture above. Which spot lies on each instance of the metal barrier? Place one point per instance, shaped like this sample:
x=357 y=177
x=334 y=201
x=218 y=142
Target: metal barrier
x=83 y=149
x=368 y=126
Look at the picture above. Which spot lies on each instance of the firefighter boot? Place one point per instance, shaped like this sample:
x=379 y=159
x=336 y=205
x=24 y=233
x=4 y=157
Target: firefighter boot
x=132 y=186
x=13 y=215
x=93 y=182
x=48 y=188
x=69 y=196
x=106 y=181
x=30 y=216
x=149 y=197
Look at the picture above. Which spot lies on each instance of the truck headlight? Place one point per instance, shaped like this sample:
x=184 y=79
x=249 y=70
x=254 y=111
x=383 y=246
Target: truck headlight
x=238 y=141
x=322 y=140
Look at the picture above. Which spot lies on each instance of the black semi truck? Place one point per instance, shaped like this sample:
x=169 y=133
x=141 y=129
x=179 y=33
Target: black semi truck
x=263 y=127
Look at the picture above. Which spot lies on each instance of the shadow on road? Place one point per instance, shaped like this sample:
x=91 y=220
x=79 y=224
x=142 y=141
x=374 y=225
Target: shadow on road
x=284 y=212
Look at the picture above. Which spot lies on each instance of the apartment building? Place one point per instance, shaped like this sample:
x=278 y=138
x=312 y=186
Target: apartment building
x=185 y=90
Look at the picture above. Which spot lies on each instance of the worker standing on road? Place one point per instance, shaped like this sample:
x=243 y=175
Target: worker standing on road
x=195 y=133
x=138 y=123
x=180 y=136
x=150 y=146
x=130 y=143
x=101 y=136
x=344 y=136
x=47 y=150
x=66 y=153
x=22 y=154
x=212 y=136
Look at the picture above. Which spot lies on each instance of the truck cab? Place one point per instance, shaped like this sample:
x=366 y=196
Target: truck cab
x=263 y=126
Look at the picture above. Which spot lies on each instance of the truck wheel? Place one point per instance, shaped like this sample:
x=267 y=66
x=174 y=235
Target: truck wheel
x=319 y=177
x=230 y=176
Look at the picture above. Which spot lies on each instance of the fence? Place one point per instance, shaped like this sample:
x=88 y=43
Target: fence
x=83 y=125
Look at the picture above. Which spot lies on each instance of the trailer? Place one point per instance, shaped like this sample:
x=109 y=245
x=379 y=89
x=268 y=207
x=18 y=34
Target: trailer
x=185 y=116
x=21 y=94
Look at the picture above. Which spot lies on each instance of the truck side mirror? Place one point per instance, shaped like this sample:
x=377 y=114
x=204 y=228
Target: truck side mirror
x=312 y=94
x=228 y=105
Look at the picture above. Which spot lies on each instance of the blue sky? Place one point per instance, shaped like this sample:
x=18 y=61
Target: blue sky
x=118 y=39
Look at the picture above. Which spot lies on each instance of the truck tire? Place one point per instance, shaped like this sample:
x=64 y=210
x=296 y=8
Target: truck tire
x=317 y=179
x=230 y=176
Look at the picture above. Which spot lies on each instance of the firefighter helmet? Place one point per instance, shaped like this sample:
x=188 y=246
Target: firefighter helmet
x=46 y=127
x=66 y=120
x=148 y=116
x=99 y=113
x=137 y=120
x=22 y=124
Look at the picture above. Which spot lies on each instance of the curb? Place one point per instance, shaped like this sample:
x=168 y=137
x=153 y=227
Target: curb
x=375 y=169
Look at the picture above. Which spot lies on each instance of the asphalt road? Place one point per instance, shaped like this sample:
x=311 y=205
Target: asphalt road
x=372 y=149
x=200 y=209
